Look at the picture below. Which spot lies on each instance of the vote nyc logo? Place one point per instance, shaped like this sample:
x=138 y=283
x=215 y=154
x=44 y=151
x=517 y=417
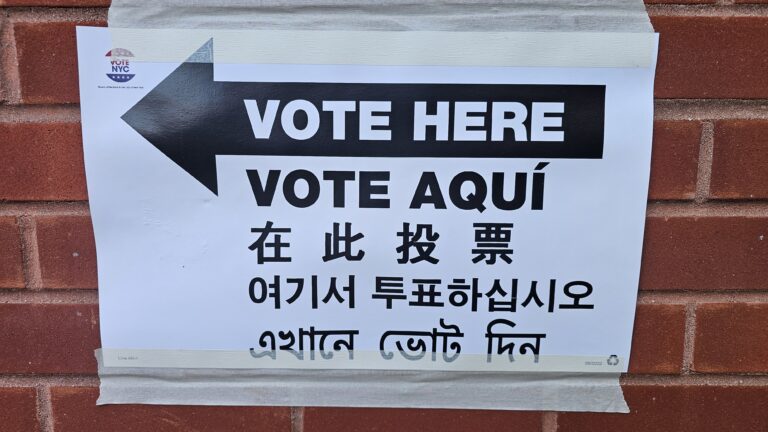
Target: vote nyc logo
x=120 y=65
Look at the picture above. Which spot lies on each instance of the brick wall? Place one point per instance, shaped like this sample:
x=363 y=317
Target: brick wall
x=700 y=354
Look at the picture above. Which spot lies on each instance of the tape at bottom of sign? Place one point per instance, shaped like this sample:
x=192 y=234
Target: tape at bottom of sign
x=598 y=392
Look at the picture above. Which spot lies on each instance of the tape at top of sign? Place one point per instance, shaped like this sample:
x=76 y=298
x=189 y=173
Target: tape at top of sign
x=387 y=48
x=398 y=15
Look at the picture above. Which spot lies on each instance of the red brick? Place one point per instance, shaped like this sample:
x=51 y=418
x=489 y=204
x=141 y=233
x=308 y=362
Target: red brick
x=18 y=410
x=674 y=159
x=48 y=338
x=67 y=252
x=47 y=54
x=657 y=342
x=705 y=253
x=11 y=271
x=42 y=161
x=731 y=338
x=421 y=420
x=712 y=57
x=75 y=410
x=739 y=159
x=679 y=409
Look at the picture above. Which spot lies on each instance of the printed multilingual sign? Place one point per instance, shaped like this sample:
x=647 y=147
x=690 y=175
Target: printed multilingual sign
x=365 y=216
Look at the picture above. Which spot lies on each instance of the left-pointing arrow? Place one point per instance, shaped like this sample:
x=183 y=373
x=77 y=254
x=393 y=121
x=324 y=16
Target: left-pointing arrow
x=183 y=117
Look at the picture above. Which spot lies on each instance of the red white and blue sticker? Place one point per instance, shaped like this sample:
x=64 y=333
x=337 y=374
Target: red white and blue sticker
x=120 y=65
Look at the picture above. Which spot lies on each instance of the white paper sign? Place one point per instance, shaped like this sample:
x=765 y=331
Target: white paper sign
x=466 y=212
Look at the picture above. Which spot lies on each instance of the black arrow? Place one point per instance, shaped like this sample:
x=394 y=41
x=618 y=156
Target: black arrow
x=191 y=118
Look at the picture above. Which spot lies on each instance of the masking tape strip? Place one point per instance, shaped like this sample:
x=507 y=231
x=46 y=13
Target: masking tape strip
x=387 y=48
x=397 y=15
x=362 y=388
